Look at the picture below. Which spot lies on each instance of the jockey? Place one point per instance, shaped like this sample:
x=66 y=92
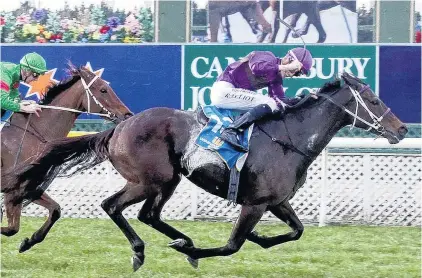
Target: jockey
x=31 y=66
x=234 y=88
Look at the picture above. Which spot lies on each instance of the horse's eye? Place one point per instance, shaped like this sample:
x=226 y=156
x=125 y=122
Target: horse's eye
x=375 y=102
x=103 y=91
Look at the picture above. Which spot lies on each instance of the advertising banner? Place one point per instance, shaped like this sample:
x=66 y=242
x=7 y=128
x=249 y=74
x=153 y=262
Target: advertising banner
x=142 y=76
x=400 y=81
x=203 y=63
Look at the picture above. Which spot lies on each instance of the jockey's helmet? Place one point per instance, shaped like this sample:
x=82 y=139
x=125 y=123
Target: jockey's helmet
x=302 y=55
x=34 y=62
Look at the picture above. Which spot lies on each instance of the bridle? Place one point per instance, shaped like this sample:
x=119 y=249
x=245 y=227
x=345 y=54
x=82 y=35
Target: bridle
x=376 y=124
x=89 y=95
x=357 y=95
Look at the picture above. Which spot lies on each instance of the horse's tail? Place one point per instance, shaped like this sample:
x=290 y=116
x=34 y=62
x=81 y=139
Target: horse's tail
x=60 y=157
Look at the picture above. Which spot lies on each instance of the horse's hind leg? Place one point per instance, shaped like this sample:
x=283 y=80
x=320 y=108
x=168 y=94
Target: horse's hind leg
x=151 y=210
x=276 y=14
x=249 y=217
x=214 y=21
x=115 y=204
x=13 y=214
x=286 y=214
x=54 y=212
x=315 y=19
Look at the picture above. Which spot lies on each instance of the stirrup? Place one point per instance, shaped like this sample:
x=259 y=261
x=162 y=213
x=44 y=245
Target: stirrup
x=229 y=140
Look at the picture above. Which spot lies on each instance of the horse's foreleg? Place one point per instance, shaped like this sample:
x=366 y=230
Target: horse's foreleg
x=227 y=28
x=293 y=24
x=13 y=214
x=302 y=31
x=114 y=205
x=260 y=18
x=249 y=217
x=286 y=214
x=54 y=212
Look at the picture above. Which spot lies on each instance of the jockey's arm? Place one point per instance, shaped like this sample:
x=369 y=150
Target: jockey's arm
x=264 y=64
x=10 y=97
x=276 y=91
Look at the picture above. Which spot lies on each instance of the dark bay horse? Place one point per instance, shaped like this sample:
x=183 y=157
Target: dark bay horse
x=27 y=135
x=249 y=9
x=295 y=9
x=153 y=149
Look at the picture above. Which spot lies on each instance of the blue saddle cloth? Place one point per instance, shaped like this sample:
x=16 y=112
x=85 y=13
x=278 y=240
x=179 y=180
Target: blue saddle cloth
x=209 y=137
x=6 y=115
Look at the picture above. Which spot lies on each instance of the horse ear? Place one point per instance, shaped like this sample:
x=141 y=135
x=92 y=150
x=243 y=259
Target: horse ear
x=347 y=78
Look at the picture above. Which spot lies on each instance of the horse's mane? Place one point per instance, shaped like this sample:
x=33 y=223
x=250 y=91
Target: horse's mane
x=74 y=75
x=328 y=88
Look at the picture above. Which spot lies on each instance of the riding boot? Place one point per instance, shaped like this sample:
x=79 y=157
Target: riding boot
x=232 y=132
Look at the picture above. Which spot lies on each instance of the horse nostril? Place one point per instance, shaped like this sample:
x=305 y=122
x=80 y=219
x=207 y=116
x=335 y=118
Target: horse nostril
x=403 y=130
x=128 y=115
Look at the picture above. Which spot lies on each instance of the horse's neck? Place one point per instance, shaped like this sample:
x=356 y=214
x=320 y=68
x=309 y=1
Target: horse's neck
x=54 y=124
x=312 y=129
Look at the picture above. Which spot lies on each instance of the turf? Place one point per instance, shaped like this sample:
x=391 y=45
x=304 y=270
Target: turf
x=97 y=248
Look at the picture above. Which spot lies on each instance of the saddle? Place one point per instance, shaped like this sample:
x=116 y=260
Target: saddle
x=214 y=120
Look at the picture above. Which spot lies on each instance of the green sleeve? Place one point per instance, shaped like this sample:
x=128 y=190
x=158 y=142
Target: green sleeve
x=9 y=101
x=10 y=97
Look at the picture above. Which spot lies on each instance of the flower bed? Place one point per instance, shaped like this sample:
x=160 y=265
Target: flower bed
x=95 y=24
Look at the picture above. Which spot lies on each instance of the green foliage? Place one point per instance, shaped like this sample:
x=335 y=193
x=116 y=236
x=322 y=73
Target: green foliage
x=97 y=16
x=53 y=22
x=145 y=19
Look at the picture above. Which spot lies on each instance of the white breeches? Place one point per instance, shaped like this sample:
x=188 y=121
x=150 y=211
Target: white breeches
x=225 y=95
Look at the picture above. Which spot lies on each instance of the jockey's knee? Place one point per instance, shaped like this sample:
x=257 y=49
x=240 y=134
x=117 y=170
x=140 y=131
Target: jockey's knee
x=272 y=104
x=218 y=90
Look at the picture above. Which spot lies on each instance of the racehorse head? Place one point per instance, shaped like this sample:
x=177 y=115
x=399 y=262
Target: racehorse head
x=100 y=97
x=369 y=112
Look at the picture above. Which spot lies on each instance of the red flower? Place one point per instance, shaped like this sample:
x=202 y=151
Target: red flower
x=53 y=37
x=2 y=21
x=59 y=36
x=104 y=29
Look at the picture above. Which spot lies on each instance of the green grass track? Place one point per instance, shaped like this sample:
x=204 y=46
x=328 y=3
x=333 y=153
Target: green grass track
x=97 y=248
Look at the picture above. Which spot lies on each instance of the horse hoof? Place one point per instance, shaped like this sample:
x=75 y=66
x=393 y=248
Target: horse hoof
x=137 y=261
x=193 y=262
x=177 y=243
x=24 y=245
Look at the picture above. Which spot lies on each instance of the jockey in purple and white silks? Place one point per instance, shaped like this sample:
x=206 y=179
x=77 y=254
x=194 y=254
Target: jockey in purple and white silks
x=235 y=87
